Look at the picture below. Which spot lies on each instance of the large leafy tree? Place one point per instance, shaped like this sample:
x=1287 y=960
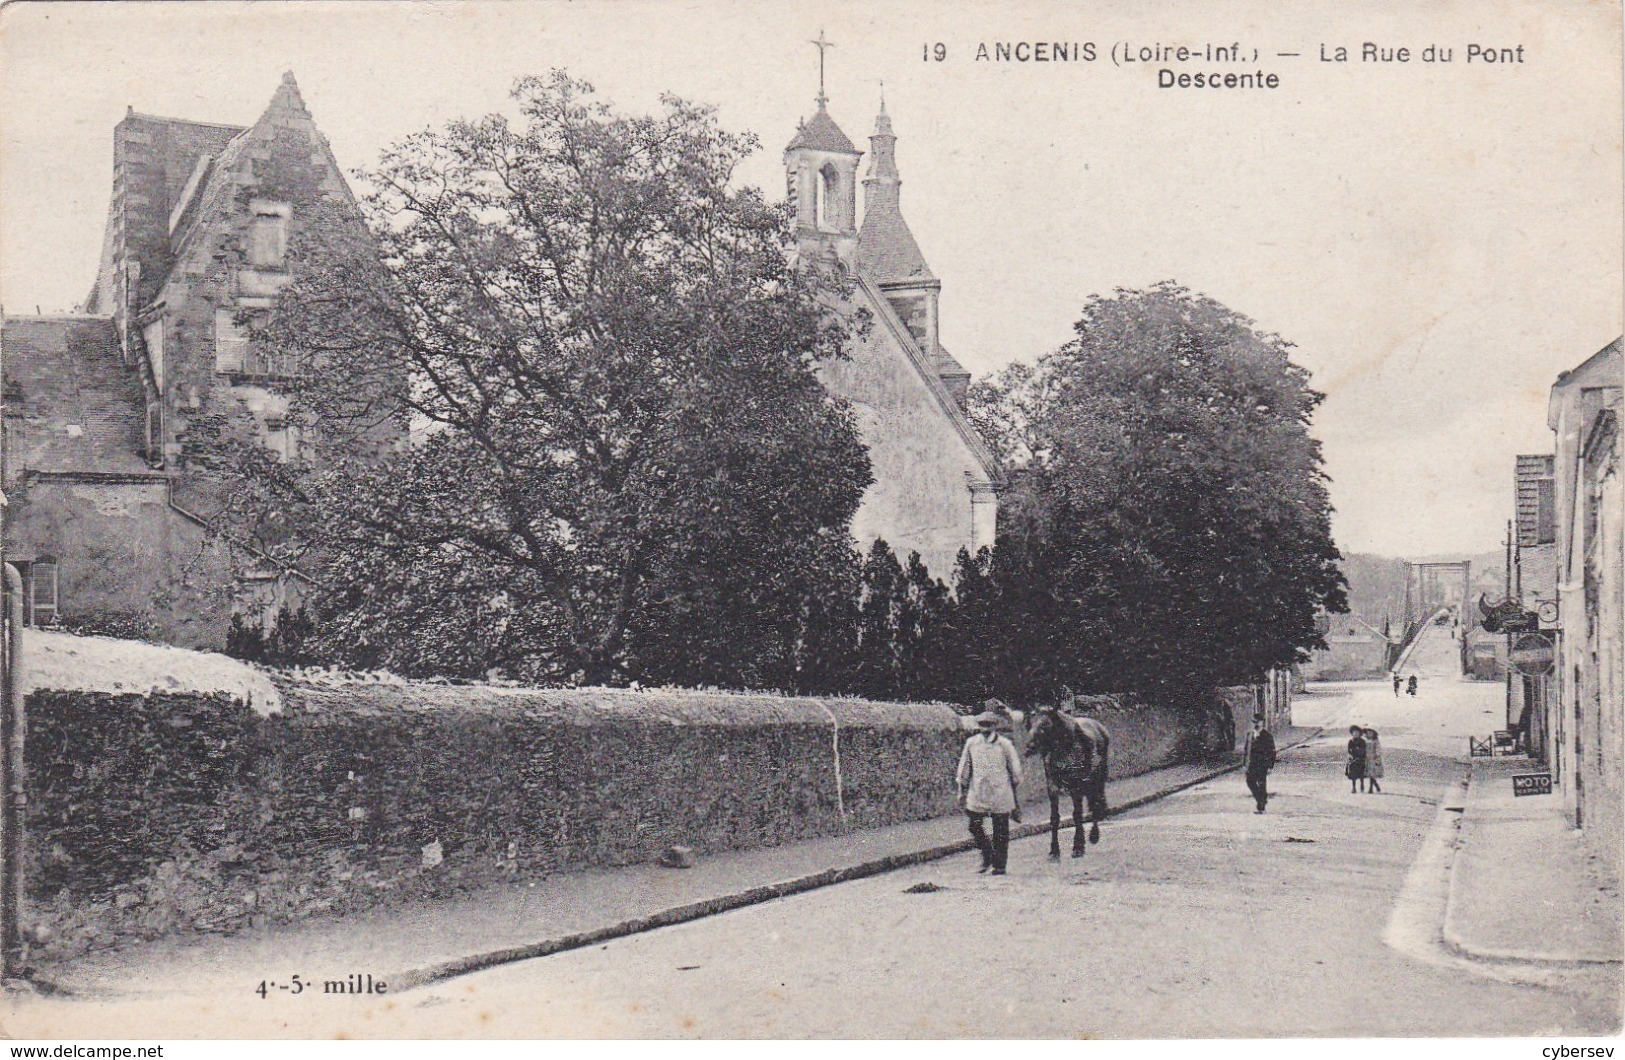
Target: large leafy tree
x=621 y=464
x=1167 y=527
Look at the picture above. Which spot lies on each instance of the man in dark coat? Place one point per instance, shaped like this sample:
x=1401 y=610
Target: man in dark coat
x=1259 y=755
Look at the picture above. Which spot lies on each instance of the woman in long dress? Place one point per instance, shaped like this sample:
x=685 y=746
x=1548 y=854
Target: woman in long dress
x=1355 y=770
x=1373 y=762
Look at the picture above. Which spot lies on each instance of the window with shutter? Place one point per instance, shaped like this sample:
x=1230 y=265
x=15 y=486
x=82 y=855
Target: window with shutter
x=1545 y=512
x=230 y=342
x=42 y=592
x=268 y=235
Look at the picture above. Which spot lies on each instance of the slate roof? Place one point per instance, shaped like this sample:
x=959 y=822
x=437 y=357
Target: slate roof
x=886 y=248
x=948 y=364
x=822 y=134
x=74 y=403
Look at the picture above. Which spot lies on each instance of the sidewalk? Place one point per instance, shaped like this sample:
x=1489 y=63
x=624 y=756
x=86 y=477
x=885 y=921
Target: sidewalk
x=1521 y=886
x=423 y=942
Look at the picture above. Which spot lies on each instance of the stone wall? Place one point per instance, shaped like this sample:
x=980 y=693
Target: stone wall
x=121 y=550
x=172 y=813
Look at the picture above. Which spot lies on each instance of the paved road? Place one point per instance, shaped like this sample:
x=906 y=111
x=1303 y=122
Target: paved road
x=1193 y=917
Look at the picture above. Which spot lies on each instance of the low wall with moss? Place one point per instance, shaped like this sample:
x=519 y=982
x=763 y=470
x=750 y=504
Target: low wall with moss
x=160 y=814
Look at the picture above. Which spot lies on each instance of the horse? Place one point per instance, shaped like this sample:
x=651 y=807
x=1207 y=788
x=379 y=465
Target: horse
x=1074 y=752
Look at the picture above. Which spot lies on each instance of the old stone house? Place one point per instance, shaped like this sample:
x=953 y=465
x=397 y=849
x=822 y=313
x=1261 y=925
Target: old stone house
x=934 y=478
x=115 y=416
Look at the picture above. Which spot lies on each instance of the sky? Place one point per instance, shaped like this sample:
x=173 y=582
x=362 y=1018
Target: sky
x=1439 y=240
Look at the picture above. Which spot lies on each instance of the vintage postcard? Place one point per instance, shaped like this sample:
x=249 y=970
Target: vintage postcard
x=731 y=520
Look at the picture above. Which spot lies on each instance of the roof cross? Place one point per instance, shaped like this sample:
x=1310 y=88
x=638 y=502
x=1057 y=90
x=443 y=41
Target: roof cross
x=821 y=44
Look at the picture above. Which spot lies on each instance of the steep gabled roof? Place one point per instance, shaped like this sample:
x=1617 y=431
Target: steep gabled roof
x=1601 y=369
x=886 y=247
x=233 y=167
x=1596 y=369
x=154 y=185
x=75 y=405
x=822 y=134
x=887 y=250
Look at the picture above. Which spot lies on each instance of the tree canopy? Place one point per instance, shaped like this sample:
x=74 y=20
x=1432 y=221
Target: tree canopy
x=1167 y=525
x=621 y=464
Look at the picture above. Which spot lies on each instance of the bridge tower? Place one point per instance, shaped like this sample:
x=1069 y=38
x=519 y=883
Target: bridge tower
x=1430 y=586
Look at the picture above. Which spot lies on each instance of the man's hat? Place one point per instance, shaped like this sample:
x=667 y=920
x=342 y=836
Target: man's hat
x=991 y=719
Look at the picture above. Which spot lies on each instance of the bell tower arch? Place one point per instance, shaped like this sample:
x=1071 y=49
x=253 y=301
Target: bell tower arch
x=821 y=177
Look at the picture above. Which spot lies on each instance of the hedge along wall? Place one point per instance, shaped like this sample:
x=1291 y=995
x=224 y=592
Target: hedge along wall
x=167 y=813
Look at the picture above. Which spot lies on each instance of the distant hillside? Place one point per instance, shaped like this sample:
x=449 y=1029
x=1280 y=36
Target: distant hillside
x=1376 y=590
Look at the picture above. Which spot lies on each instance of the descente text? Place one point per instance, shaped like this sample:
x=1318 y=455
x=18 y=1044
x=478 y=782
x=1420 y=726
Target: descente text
x=1169 y=79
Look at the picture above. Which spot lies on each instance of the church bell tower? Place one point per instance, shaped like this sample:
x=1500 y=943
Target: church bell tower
x=821 y=168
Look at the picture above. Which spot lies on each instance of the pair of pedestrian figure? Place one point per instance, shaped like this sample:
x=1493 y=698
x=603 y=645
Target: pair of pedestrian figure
x=1364 y=768
x=989 y=779
x=1410 y=685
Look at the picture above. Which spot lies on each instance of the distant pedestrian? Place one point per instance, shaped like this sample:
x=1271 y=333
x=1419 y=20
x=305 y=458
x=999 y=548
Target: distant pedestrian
x=1373 y=762
x=1259 y=754
x=1397 y=682
x=989 y=780
x=1355 y=770
x=1410 y=686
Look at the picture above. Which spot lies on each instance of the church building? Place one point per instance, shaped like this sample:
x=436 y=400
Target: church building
x=934 y=478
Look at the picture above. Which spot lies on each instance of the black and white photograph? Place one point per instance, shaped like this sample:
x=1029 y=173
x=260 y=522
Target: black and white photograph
x=689 y=519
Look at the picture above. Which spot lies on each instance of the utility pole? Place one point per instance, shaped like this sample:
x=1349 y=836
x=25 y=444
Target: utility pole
x=1508 y=712
x=13 y=732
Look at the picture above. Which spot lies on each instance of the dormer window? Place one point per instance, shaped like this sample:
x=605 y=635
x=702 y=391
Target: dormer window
x=268 y=234
x=235 y=353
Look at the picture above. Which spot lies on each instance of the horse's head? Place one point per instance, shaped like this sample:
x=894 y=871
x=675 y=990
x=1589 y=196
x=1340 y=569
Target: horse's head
x=1045 y=728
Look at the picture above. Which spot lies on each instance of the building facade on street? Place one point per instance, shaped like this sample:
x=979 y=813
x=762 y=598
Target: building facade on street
x=1353 y=651
x=1587 y=728
x=934 y=478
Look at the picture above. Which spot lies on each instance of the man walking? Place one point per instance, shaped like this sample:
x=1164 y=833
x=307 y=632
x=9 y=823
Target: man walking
x=1259 y=755
x=989 y=780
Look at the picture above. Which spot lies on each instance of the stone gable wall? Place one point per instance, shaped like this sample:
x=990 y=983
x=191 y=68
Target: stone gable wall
x=123 y=551
x=920 y=499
